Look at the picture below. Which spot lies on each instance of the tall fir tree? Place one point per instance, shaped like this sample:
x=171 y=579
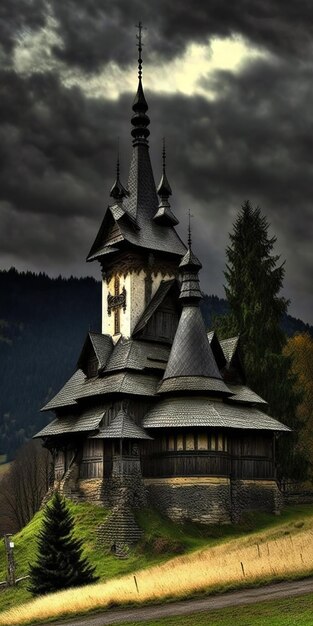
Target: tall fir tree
x=254 y=279
x=59 y=562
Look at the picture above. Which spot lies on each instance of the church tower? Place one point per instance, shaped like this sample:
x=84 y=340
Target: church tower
x=137 y=244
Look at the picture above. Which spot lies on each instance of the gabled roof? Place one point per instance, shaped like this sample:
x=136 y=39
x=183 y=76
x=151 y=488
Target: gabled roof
x=229 y=347
x=134 y=215
x=67 y=394
x=201 y=411
x=243 y=394
x=165 y=216
x=102 y=346
x=122 y=427
x=137 y=355
x=87 y=420
x=105 y=241
x=216 y=349
x=155 y=302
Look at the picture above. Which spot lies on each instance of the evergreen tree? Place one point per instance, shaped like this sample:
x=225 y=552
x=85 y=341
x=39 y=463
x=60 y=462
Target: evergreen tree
x=254 y=279
x=59 y=562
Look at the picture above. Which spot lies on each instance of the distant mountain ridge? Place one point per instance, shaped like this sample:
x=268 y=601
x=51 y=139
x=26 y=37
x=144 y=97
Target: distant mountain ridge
x=43 y=323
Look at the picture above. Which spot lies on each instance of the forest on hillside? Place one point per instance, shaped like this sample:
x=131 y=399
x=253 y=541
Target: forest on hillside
x=43 y=323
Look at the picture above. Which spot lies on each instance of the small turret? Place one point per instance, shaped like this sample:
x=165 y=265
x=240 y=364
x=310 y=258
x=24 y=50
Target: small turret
x=164 y=214
x=118 y=191
x=191 y=366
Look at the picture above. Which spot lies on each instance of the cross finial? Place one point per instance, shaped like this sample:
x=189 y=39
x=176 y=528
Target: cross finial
x=139 y=46
x=189 y=229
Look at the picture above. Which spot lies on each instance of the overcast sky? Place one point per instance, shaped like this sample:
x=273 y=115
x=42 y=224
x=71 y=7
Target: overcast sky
x=228 y=83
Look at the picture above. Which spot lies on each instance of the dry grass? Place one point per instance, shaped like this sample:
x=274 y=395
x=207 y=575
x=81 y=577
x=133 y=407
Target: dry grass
x=4 y=467
x=240 y=561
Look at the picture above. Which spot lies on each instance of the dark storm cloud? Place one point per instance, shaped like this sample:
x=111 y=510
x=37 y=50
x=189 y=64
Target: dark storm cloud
x=254 y=141
x=17 y=16
x=56 y=146
x=96 y=32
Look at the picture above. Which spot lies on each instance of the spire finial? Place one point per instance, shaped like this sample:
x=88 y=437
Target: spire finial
x=164 y=155
x=118 y=160
x=118 y=192
x=189 y=229
x=140 y=119
x=139 y=46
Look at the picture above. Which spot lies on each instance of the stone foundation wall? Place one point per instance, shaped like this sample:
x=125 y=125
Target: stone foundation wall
x=132 y=487
x=91 y=490
x=212 y=500
x=205 y=500
x=260 y=495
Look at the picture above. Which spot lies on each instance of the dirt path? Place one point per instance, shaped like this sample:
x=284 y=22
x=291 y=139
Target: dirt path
x=187 y=607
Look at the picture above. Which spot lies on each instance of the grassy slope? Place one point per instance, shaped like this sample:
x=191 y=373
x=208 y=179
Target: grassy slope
x=175 y=538
x=288 y=612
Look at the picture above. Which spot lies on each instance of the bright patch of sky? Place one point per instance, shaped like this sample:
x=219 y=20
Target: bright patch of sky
x=188 y=74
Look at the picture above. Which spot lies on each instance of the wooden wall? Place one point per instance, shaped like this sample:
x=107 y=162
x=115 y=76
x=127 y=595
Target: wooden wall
x=91 y=465
x=215 y=453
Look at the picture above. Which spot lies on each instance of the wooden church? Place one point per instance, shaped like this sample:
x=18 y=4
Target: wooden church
x=157 y=412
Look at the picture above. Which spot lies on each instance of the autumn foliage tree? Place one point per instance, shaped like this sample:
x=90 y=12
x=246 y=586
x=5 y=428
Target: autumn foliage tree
x=254 y=278
x=300 y=349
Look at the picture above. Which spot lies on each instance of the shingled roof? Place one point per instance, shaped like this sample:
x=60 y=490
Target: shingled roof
x=164 y=288
x=122 y=427
x=200 y=411
x=136 y=210
x=102 y=346
x=191 y=365
x=88 y=420
x=245 y=395
x=79 y=387
x=229 y=347
x=137 y=355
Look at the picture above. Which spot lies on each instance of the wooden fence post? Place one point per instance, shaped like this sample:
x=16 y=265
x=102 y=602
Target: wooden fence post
x=9 y=546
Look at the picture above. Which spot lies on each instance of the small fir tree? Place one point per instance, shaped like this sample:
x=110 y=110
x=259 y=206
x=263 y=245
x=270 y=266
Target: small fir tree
x=254 y=279
x=59 y=562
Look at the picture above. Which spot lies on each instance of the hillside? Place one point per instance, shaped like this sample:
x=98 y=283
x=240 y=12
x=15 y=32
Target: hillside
x=209 y=558
x=43 y=323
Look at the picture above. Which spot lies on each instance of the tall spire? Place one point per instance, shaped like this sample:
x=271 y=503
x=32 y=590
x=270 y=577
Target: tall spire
x=164 y=214
x=140 y=119
x=189 y=229
x=118 y=191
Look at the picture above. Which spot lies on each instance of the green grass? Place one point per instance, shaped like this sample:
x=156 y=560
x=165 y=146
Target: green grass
x=295 y=611
x=161 y=541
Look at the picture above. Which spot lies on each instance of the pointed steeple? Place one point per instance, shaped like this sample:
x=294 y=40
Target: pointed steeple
x=140 y=119
x=164 y=214
x=118 y=191
x=190 y=266
x=136 y=210
x=191 y=366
